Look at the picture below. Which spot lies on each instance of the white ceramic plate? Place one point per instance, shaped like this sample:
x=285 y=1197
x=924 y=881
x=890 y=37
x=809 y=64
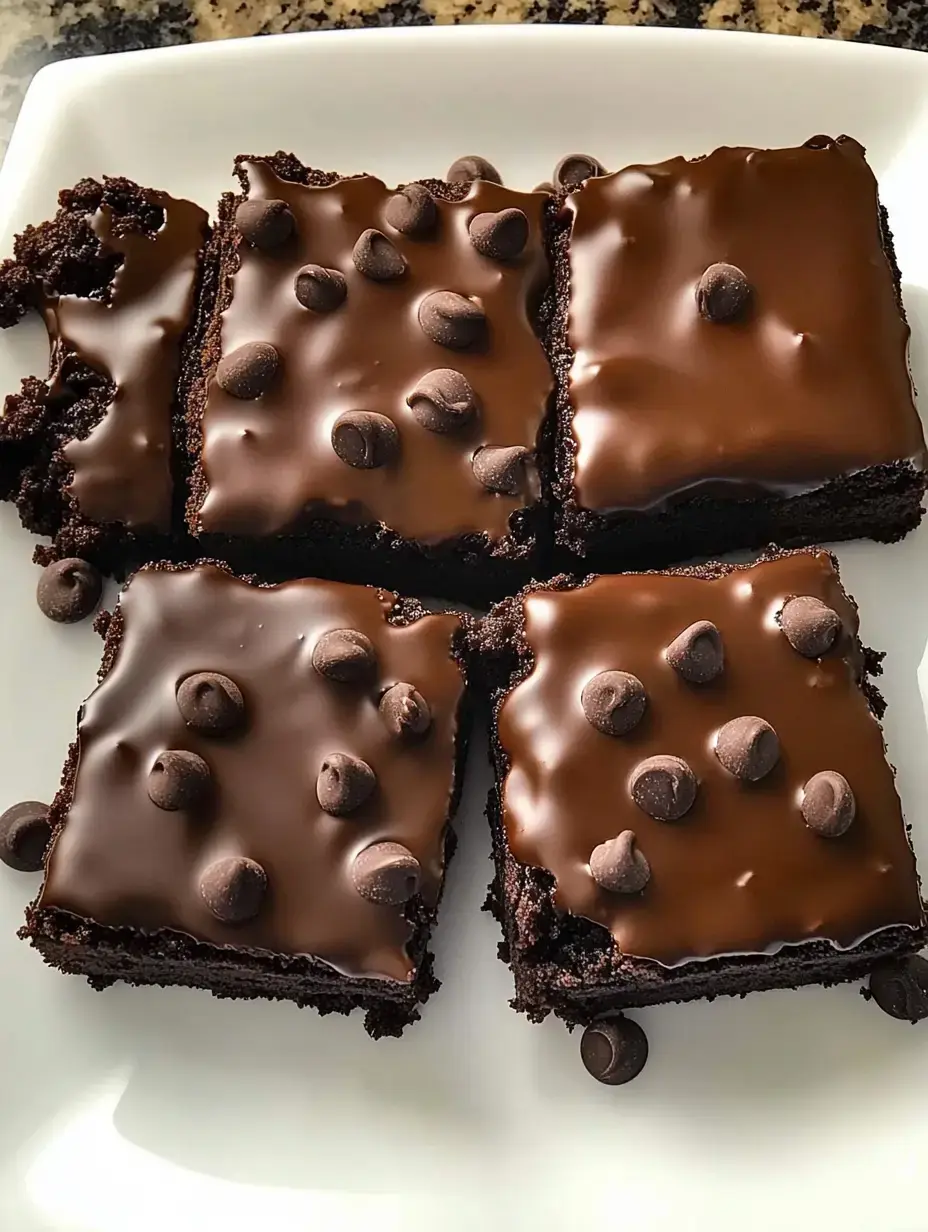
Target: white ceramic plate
x=149 y=1110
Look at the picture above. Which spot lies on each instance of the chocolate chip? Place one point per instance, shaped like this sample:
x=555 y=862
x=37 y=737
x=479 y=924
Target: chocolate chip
x=828 y=805
x=572 y=170
x=405 y=711
x=501 y=236
x=178 y=780
x=722 y=293
x=365 y=439
x=345 y=655
x=900 y=988
x=503 y=468
x=68 y=590
x=248 y=371
x=319 y=289
x=412 y=211
x=614 y=1050
x=747 y=747
x=386 y=874
x=472 y=167
x=697 y=653
x=265 y=224
x=210 y=702
x=614 y=702
x=663 y=787
x=819 y=142
x=545 y=187
x=344 y=783
x=451 y=320
x=377 y=257
x=25 y=833
x=443 y=401
x=810 y=626
x=618 y=865
x=233 y=888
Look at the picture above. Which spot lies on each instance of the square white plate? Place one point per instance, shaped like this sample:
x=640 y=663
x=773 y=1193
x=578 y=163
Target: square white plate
x=146 y=1110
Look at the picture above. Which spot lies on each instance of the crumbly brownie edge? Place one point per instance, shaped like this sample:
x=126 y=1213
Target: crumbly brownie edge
x=106 y=954
x=568 y=965
x=468 y=568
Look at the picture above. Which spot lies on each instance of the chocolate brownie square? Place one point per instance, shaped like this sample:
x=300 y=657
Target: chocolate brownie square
x=374 y=398
x=87 y=455
x=692 y=794
x=259 y=797
x=730 y=345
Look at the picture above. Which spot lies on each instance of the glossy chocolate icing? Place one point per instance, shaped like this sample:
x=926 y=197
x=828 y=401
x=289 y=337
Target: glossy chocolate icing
x=122 y=470
x=740 y=872
x=122 y=860
x=810 y=383
x=269 y=461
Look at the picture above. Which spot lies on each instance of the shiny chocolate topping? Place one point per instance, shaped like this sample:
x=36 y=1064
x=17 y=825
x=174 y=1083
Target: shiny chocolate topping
x=269 y=460
x=122 y=470
x=740 y=871
x=195 y=860
x=805 y=382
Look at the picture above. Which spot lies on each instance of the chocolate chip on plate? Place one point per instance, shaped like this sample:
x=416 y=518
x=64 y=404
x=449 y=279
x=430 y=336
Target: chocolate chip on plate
x=501 y=236
x=178 y=780
x=249 y=370
x=233 y=888
x=614 y=1050
x=412 y=211
x=25 y=832
x=900 y=988
x=451 y=320
x=664 y=787
x=443 y=401
x=472 y=167
x=810 y=626
x=68 y=590
x=386 y=874
x=345 y=655
x=320 y=289
x=210 y=702
x=365 y=440
x=747 y=747
x=618 y=865
x=828 y=806
x=697 y=653
x=723 y=293
x=614 y=702
x=405 y=711
x=265 y=224
x=343 y=784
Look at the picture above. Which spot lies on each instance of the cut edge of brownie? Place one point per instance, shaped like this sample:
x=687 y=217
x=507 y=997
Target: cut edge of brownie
x=106 y=954
x=469 y=568
x=64 y=256
x=881 y=502
x=570 y=966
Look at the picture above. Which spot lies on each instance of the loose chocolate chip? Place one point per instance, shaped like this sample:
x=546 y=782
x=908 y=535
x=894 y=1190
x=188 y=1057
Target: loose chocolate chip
x=25 y=833
x=723 y=293
x=451 y=320
x=819 y=142
x=405 y=711
x=472 y=167
x=344 y=655
x=614 y=702
x=614 y=1050
x=900 y=988
x=319 y=289
x=365 y=439
x=618 y=865
x=178 y=780
x=249 y=370
x=747 y=747
x=810 y=626
x=502 y=468
x=265 y=224
x=501 y=236
x=233 y=888
x=386 y=874
x=443 y=401
x=572 y=170
x=663 y=787
x=377 y=257
x=828 y=805
x=68 y=590
x=344 y=783
x=697 y=653
x=412 y=211
x=210 y=702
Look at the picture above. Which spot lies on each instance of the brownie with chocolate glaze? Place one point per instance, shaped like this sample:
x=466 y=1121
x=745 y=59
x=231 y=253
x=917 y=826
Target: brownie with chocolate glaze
x=374 y=393
x=692 y=796
x=87 y=454
x=259 y=798
x=731 y=352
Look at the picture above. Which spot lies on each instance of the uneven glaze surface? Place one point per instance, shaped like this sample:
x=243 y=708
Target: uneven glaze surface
x=740 y=872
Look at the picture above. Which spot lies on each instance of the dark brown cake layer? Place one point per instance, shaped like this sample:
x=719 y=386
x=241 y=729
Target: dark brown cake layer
x=115 y=276
x=737 y=890
x=683 y=431
x=270 y=488
x=130 y=883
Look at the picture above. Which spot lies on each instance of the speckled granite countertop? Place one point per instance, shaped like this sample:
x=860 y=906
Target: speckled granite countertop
x=34 y=32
